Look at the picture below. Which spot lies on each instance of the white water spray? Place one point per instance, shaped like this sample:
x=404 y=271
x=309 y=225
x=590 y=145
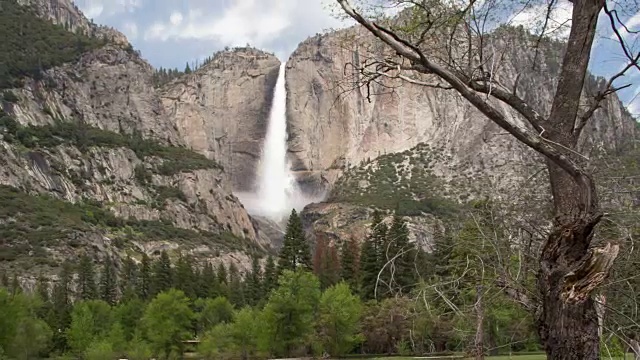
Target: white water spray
x=277 y=192
x=275 y=180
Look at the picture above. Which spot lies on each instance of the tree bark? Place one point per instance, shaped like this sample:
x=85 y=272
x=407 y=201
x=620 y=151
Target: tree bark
x=479 y=341
x=569 y=271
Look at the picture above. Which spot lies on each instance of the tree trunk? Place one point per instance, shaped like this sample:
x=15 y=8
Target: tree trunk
x=635 y=347
x=479 y=343
x=569 y=272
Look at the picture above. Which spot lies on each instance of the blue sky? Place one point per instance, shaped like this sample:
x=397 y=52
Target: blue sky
x=171 y=32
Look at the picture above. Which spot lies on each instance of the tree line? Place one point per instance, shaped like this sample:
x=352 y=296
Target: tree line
x=344 y=298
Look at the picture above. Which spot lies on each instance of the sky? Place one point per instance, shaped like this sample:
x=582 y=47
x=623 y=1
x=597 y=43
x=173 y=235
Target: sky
x=170 y=33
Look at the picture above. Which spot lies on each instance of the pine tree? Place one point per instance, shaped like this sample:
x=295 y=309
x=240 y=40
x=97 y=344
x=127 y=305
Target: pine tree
x=400 y=255
x=108 y=283
x=184 y=277
x=295 y=249
x=128 y=279
x=144 y=285
x=326 y=265
x=349 y=264
x=209 y=285
x=372 y=258
x=187 y=69
x=61 y=314
x=162 y=279
x=236 y=287
x=254 y=283
x=223 y=280
x=87 y=279
x=270 y=276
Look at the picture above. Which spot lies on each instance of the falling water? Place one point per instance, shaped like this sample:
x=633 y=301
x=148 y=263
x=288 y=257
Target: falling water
x=277 y=192
x=275 y=183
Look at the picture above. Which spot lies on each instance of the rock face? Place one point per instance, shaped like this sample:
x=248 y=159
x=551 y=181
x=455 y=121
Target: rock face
x=222 y=109
x=126 y=147
x=66 y=13
x=333 y=123
x=109 y=88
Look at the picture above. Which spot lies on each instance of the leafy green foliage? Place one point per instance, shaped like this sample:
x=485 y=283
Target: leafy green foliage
x=31 y=45
x=289 y=314
x=167 y=320
x=212 y=312
x=339 y=320
x=22 y=334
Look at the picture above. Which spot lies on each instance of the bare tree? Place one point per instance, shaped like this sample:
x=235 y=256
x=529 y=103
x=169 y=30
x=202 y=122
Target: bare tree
x=447 y=45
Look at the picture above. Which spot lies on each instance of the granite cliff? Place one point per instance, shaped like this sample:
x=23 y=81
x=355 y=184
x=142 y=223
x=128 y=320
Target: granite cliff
x=334 y=123
x=222 y=109
x=92 y=142
x=340 y=131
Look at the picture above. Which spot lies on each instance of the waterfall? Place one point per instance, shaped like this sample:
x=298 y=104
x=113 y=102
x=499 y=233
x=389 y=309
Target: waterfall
x=275 y=183
x=276 y=189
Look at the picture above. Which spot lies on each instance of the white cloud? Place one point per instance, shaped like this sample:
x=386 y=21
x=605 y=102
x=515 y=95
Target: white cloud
x=130 y=29
x=175 y=18
x=245 y=21
x=93 y=11
x=256 y=22
x=533 y=18
x=98 y=8
x=633 y=24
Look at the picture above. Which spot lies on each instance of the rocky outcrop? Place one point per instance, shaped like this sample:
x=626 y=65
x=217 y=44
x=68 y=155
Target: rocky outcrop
x=334 y=124
x=109 y=88
x=222 y=109
x=66 y=13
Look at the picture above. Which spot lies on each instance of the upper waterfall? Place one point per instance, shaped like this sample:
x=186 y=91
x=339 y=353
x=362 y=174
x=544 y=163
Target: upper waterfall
x=275 y=183
x=276 y=188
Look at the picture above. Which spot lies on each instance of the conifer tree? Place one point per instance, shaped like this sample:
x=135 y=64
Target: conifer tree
x=400 y=255
x=128 y=279
x=349 y=264
x=223 y=280
x=87 y=279
x=209 y=285
x=270 y=275
x=372 y=258
x=61 y=314
x=108 y=283
x=144 y=284
x=187 y=69
x=184 y=277
x=326 y=265
x=236 y=287
x=254 y=283
x=162 y=279
x=295 y=249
